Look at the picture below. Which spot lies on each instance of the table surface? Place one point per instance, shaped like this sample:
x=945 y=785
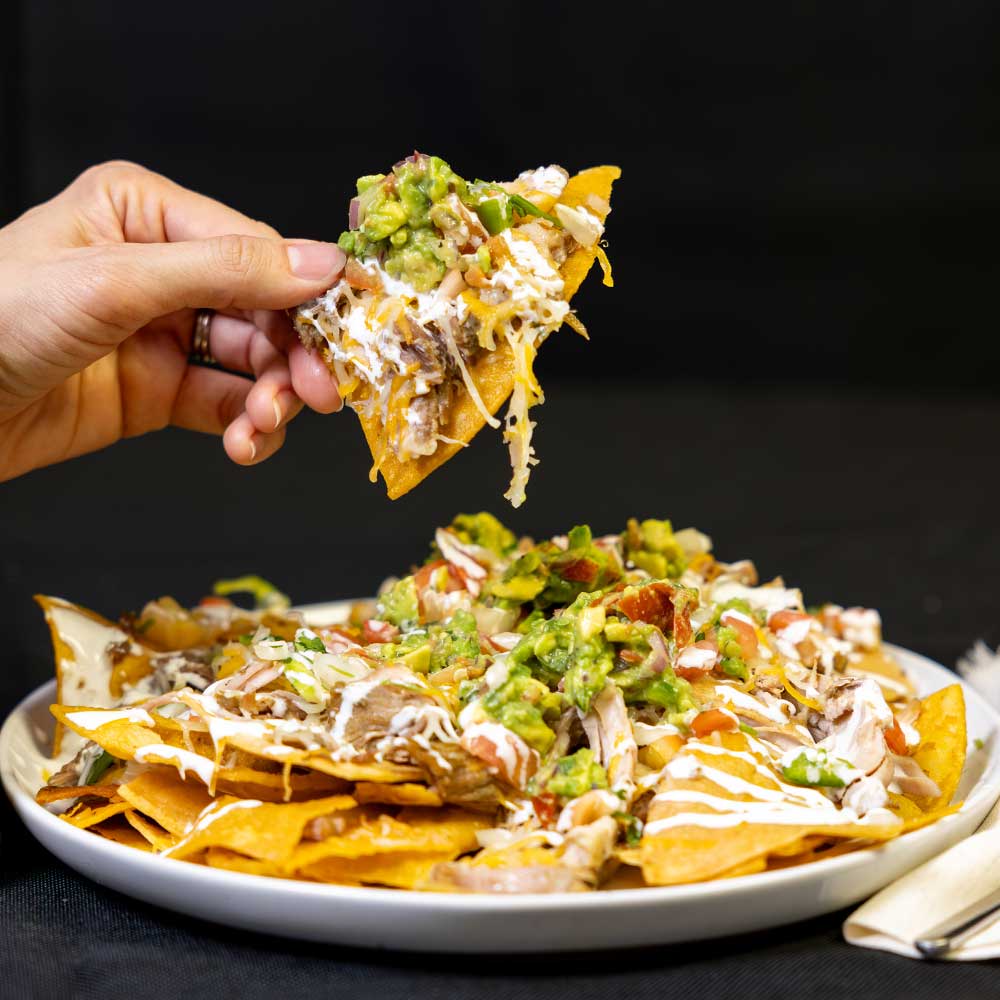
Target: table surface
x=882 y=501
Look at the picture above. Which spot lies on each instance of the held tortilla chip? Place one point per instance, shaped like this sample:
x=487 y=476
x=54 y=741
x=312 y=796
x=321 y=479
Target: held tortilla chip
x=493 y=374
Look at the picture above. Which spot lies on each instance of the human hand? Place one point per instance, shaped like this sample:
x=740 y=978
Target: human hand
x=98 y=293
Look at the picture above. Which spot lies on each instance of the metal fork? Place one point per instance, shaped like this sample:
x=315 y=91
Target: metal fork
x=958 y=928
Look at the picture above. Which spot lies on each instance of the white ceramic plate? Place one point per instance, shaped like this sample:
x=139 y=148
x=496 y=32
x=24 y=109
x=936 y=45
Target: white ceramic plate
x=414 y=921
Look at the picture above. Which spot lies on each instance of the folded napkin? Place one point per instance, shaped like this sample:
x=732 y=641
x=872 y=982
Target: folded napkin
x=905 y=910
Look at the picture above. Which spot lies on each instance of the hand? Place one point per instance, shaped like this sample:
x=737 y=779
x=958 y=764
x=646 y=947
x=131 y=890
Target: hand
x=98 y=292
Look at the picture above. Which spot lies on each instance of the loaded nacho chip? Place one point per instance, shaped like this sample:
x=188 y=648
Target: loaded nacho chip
x=450 y=288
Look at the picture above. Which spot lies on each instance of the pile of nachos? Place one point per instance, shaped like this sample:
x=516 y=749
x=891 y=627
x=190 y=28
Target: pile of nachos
x=511 y=716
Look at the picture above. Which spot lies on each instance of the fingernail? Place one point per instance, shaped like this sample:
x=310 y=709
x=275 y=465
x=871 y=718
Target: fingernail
x=312 y=261
x=277 y=413
x=253 y=450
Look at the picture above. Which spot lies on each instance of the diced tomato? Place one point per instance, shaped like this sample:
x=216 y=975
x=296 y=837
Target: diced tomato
x=782 y=619
x=711 y=721
x=895 y=739
x=422 y=578
x=357 y=276
x=546 y=808
x=746 y=634
x=216 y=602
x=654 y=604
x=579 y=570
x=376 y=631
x=689 y=673
x=630 y=656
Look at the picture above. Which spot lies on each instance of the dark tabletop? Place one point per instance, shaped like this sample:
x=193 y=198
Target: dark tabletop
x=883 y=500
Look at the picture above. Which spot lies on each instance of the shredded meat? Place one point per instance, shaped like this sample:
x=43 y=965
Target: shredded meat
x=457 y=776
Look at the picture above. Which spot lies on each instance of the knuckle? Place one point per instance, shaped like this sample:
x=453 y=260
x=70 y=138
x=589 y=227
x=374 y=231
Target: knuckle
x=109 y=171
x=238 y=255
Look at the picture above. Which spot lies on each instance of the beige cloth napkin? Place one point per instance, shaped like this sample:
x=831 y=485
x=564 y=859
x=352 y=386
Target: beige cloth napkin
x=905 y=910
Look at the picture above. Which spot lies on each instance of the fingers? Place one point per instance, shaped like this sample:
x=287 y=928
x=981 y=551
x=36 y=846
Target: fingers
x=272 y=401
x=312 y=380
x=246 y=445
x=209 y=401
x=214 y=402
x=110 y=291
x=151 y=208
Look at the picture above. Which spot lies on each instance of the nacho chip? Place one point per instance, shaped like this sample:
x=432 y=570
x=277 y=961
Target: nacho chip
x=164 y=797
x=267 y=831
x=59 y=793
x=405 y=794
x=402 y=870
x=885 y=671
x=493 y=374
x=221 y=857
x=942 y=748
x=727 y=785
x=154 y=834
x=413 y=830
x=83 y=816
x=119 y=731
x=80 y=639
x=122 y=833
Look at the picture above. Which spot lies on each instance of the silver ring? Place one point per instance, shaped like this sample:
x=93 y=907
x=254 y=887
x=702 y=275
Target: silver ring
x=201 y=350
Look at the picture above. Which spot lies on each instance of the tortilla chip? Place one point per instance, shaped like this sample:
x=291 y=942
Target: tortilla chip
x=942 y=748
x=251 y=783
x=120 y=737
x=83 y=816
x=493 y=374
x=80 y=639
x=152 y=833
x=693 y=853
x=122 y=833
x=221 y=857
x=885 y=671
x=268 y=831
x=59 y=793
x=397 y=795
x=162 y=795
x=404 y=870
x=432 y=831
x=383 y=773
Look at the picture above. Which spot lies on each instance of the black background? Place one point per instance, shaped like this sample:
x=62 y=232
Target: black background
x=798 y=356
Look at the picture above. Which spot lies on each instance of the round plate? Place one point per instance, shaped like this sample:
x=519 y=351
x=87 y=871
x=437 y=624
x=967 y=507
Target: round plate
x=387 y=918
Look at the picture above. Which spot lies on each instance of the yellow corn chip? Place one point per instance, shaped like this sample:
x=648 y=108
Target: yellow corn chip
x=162 y=795
x=221 y=857
x=413 y=830
x=83 y=816
x=121 y=737
x=268 y=831
x=941 y=752
x=121 y=833
x=405 y=794
x=58 y=793
x=493 y=374
x=403 y=870
x=151 y=832
x=689 y=852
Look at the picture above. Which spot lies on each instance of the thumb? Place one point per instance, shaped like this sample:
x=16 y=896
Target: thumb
x=130 y=284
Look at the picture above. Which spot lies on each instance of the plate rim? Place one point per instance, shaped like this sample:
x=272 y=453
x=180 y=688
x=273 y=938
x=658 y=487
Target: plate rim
x=31 y=812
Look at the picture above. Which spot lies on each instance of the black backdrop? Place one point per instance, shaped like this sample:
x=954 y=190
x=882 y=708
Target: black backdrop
x=810 y=190
x=805 y=251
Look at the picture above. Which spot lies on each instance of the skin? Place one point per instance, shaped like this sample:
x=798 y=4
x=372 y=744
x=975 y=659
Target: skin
x=98 y=293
